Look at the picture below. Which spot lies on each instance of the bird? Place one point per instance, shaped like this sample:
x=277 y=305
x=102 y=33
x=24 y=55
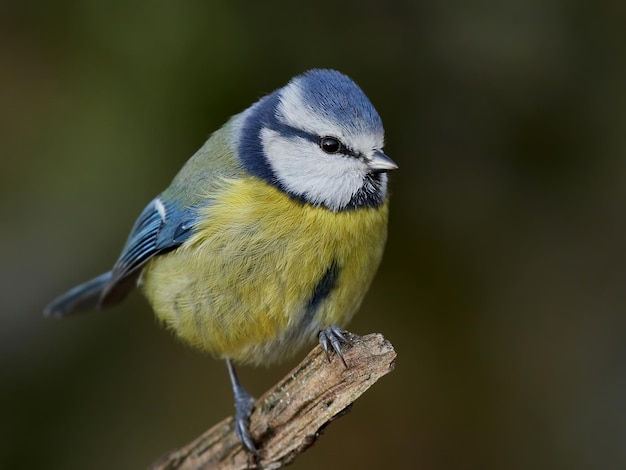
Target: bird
x=269 y=236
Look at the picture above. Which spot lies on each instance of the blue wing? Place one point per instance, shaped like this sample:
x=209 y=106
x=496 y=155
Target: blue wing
x=160 y=228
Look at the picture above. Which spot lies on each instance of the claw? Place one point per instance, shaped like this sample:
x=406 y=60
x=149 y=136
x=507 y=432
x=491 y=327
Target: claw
x=243 y=408
x=332 y=337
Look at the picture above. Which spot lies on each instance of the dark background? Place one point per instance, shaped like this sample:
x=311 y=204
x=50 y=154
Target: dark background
x=502 y=287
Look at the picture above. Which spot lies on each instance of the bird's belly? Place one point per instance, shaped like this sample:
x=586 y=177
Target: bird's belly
x=262 y=276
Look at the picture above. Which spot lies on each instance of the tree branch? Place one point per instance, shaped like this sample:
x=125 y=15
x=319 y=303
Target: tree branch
x=290 y=416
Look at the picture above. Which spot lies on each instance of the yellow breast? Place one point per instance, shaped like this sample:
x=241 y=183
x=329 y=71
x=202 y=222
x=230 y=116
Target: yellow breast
x=241 y=286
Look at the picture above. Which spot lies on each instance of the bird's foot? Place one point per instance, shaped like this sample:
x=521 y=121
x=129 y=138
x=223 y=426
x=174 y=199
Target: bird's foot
x=331 y=339
x=243 y=409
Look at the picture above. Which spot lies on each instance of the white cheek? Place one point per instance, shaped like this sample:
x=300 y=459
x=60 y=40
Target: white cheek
x=304 y=169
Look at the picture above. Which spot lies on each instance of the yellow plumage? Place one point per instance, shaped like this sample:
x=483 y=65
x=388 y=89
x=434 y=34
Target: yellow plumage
x=269 y=235
x=240 y=286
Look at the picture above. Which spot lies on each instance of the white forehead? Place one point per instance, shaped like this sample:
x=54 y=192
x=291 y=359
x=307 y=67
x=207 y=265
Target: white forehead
x=295 y=111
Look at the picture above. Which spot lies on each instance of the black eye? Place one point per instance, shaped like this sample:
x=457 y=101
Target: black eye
x=330 y=145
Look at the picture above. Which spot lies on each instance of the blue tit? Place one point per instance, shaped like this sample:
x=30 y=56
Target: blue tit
x=268 y=237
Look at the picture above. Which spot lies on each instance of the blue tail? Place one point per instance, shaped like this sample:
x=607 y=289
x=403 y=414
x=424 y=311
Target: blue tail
x=82 y=298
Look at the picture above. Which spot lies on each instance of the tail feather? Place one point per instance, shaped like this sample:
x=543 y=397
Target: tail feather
x=80 y=299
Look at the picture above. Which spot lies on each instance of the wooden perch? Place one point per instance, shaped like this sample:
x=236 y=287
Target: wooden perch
x=290 y=417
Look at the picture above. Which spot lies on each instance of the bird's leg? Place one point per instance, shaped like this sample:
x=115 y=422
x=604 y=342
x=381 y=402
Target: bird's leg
x=243 y=409
x=332 y=337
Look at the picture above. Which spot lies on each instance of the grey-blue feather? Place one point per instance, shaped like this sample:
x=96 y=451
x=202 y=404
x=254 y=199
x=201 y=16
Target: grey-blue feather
x=161 y=227
x=81 y=298
x=164 y=224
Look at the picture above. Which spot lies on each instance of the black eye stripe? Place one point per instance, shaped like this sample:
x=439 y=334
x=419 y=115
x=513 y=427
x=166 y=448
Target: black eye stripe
x=290 y=131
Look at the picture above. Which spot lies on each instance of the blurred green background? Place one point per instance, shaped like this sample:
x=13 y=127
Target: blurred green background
x=503 y=282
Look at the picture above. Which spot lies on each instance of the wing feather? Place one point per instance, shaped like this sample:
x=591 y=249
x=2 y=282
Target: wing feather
x=160 y=228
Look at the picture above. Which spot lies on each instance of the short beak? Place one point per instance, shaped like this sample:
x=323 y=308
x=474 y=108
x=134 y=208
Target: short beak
x=381 y=163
